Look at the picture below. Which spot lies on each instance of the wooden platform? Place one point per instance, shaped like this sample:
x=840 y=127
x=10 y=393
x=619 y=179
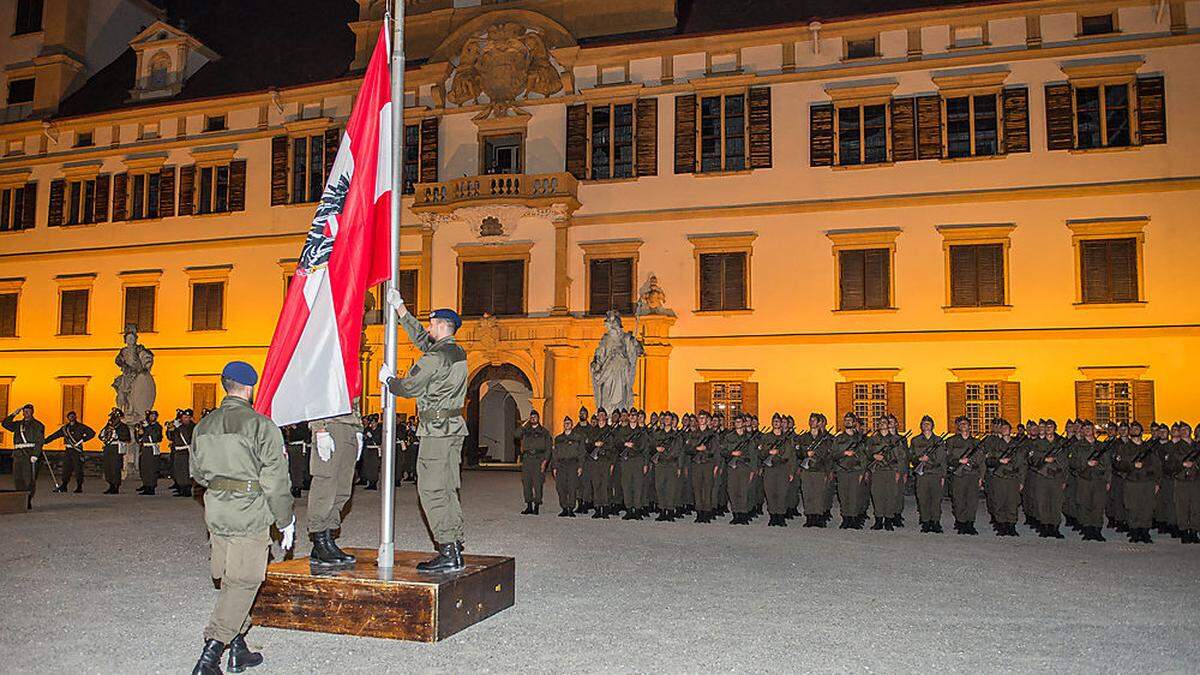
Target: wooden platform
x=409 y=606
x=12 y=501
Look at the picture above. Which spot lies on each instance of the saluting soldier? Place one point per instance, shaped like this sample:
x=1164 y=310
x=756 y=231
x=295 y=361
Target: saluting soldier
x=74 y=434
x=116 y=438
x=1139 y=462
x=535 y=442
x=703 y=448
x=1185 y=463
x=1091 y=465
x=179 y=435
x=964 y=463
x=851 y=454
x=239 y=459
x=566 y=465
x=28 y=437
x=927 y=456
x=149 y=438
x=777 y=452
x=296 y=438
x=1005 y=461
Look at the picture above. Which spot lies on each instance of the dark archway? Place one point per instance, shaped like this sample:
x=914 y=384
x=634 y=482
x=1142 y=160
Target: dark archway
x=475 y=451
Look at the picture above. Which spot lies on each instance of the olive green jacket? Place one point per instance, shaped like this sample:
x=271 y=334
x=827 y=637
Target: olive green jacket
x=237 y=443
x=569 y=447
x=438 y=380
x=535 y=443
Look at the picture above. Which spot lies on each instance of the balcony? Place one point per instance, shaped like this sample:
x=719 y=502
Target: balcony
x=552 y=195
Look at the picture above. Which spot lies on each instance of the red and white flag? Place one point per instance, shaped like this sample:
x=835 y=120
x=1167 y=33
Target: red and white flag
x=312 y=367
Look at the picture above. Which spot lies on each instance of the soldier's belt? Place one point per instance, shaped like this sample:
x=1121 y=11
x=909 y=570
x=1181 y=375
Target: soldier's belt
x=24 y=446
x=182 y=447
x=239 y=486
x=295 y=442
x=439 y=414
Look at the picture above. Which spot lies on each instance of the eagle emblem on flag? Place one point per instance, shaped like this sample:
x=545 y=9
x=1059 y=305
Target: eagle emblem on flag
x=321 y=235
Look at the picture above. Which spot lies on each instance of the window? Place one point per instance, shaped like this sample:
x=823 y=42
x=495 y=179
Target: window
x=72 y=401
x=1114 y=401
x=612 y=141
x=972 y=126
x=494 y=287
x=976 y=275
x=12 y=209
x=502 y=154
x=144 y=192
x=610 y=285
x=1102 y=116
x=308 y=168
x=862 y=135
x=73 y=312
x=85 y=139
x=421 y=153
x=213 y=192
x=214 y=123
x=1108 y=270
x=864 y=279
x=1099 y=24
x=408 y=290
x=870 y=402
x=204 y=397
x=983 y=405
x=8 y=315
x=20 y=91
x=727 y=398
x=723 y=279
x=861 y=49
x=160 y=71
x=29 y=17
x=723 y=133
x=208 y=305
x=3 y=404
x=81 y=202
x=139 y=307
x=412 y=157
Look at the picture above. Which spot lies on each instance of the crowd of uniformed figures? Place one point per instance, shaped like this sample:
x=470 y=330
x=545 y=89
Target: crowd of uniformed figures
x=629 y=464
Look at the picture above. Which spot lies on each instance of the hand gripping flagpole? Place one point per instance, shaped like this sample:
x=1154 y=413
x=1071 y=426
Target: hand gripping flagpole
x=387 y=529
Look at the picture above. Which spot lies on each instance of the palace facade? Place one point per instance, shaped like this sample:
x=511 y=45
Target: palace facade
x=974 y=208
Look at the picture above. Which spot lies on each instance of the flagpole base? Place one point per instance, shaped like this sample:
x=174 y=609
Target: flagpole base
x=386 y=557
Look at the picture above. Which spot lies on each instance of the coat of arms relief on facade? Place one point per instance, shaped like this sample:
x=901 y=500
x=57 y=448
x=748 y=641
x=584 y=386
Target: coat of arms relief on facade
x=501 y=64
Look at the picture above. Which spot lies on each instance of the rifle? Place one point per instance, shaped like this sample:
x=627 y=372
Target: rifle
x=891 y=441
x=696 y=458
x=812 y=448
x=853 y=448
x=735 y=460
x=995 y=462
x=952 y=468
x=769 y=459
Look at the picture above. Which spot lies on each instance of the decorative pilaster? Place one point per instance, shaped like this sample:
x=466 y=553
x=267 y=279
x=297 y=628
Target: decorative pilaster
x=562 y=283
x=425 y=276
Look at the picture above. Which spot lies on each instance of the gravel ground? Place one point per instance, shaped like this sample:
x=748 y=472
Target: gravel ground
x=102 y=584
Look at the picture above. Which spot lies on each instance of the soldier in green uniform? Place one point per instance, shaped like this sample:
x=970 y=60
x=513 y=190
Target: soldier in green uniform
x=1184 y=459
x=1091 y=465
x=964 y=461
x=438 y=380
x=665 y=463
x=28 y=437
x=565 y=463
x=740 y=460
x=814 y=454
x=886 y=455
x=337 y=445
x=597 y=463
x=74 y=434
x=239 y=459
x=927 y=456
x=631 y=444
x=1048 y=458
x=851 y=454
x=619 y=421
x=686 y=499
x=584 y=430
x=1139 y=462
x=115 y=436
x=702 y=446
x=1070 y=517
x=535 y=442
x=650 y=428
x=1005 y=460
x=1164 y=507
x=1117 y=439
x=1032 y=432
x=777 y=452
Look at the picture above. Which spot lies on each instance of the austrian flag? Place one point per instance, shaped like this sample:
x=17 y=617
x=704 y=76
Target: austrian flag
x=312 y=369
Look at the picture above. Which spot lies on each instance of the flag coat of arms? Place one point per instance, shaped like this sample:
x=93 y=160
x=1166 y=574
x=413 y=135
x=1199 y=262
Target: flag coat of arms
x=312 y=370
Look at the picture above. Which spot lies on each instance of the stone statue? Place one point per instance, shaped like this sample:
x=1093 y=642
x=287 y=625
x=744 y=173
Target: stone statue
x=652 y=299
x=614 y=365
x=135 y=385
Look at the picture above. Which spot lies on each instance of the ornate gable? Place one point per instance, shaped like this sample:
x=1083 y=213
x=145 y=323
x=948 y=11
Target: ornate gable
x=166 y=57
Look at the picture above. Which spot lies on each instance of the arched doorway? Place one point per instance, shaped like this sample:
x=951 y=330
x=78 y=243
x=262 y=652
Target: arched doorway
x=498 y=398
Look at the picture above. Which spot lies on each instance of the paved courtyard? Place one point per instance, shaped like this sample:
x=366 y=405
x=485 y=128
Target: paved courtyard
x=102 y=584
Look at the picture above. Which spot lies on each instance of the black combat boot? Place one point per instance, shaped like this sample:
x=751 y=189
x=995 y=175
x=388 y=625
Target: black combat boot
x=663 y=517
x=937 y=527
x=898 y=521
x=630 y=514
x=858 y=522
x=1054 y=532
x=112 y=490
x=1146 y=536
x=78 y=488
x=925 y=527
x=958 y=526
x=1192 y=537
x=888 y=525
x=969 y=528
x=566 y=512
x=1121 y=526
x=537 y=508
x=296 y=493
x=528 y=509
x=878 y=524
x=240 y=656
x=846 y=520
x=583 y=507
x=326 y=556
x=372 y=485
x=210 y=659
x=60 y=488
x=449 y=559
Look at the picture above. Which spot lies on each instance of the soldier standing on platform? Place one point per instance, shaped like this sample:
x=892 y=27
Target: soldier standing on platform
x=74 y=434
x=116 y=438
x=239 y=459
x=964 y=459
x=179 y=435
x=149 y=439
x=295 y=438
x=566 y=458
x=28 y=437
x=438 y=380
x=927 y=456
x=535 y=443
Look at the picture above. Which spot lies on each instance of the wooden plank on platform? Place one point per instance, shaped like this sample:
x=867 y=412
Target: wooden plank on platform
x=408 y=606
x=13 y=501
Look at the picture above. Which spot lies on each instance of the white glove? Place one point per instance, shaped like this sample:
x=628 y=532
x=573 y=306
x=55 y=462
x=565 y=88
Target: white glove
x=394 y=300
x=289 y=535
x=385 y=374
x=324 y=443
x=360 y=446
x=33 y=460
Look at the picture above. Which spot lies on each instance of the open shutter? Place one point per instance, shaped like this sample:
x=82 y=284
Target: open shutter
x=187 y=190
x=514 y=287
x=1085 y=400
x=120 y=203
x=166 y=192
x=850 y=280
x=844 y=393
x=1143 y=402
x=733 y=291
x=704 y=393
x=956 y=402
x=237 y=185
x=600 y=292
x=904 y=129
x=1093 y=265
x=333 y=139
x=685 y=133
x=647 y=137
x=1060 y=117
x=1016 y=120
x=429 y=150
x=929 y=127
x=1152 y=110
x=1122 y=270
x=711 y=280
x=760 y=127
x=28 y=209
x=103 y=184
x=577 y=138
x=750 y=398
x=895 y=403
x=54 y=215
x=878 y=278
x=621 y=283
x=279 y=173
x=989 y=260
x=1010 y=402
x=820 y=135
x=964 y=291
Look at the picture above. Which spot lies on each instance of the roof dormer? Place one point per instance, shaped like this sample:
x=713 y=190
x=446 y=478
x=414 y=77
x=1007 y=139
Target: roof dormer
x=166 y=57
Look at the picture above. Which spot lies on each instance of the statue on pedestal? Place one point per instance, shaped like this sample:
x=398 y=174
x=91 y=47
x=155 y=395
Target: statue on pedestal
x=614 y=365
x=135 y=385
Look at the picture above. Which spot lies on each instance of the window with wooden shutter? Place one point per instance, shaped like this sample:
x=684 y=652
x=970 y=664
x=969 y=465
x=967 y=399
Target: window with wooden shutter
x=144 y=195
x=187 y=190
x=929 y=127
x=72 y=401
x=8 y=314
x=647 y=137
x=820 y=135
x=139 y=307
x=279 y=172
x=956 y=402
x=862 y=134
x=1016 y=120
x=54 y=213
x=1151 y=110
x=577 y=140
x=685 y=133
x=1143 y=402
x=1010 y=402
x=982 y=405
x=221 y=188
x=1113 y=401
x=904 y=129
x=208 y=305
x=972 y=126
x=844 y=401
x=204 y=397
x=166 y=192
x=13 y=205
x=870 y=401
x=73 y=312
x=612 y=141
x=4 y=396
x=308 y=155
x=865 y=279
x=120 y=198
x=760 y=127
x=237 y=185
x=723 y=281
x=412 y=157
x=1085 y=400
x=429 y=149
x=493 y=287
x=723 y=133
x=895 y=403
x=1060 y=121
x=1108 y=270
x=703 y=397
x=406 y=284
x=976 y=275
x=729 y=398
x=611 y=285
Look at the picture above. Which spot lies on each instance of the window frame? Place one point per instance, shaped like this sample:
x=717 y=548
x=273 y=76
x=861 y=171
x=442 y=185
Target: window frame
x=1109 y=228
x=984 y=426
x=12 y=207
x=869 y=421
x=848 y=41
x=1129 y=384
x=977 y=234
x=77 y=382
x=1081 y=20
x=723 y=242
x=132 y=285
x=471 y=253
x=87 y=311
x=310 y=175
x=205 y=275
x=611 y=105
x=148 y=200
x=522 y=155
x=211 y=126
x=29 y=28
x=8 y=93
x=13 y=287
x=617 y=249
x=864 y=239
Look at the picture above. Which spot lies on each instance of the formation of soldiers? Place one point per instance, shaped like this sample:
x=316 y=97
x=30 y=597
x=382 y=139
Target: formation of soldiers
x=632 y=465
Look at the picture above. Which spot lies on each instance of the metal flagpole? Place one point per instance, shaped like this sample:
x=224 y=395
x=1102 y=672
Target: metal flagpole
x=387 y=528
